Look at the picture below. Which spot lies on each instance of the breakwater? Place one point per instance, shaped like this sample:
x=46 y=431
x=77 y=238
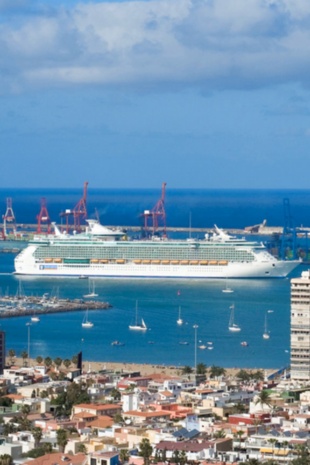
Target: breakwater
x=30 y=306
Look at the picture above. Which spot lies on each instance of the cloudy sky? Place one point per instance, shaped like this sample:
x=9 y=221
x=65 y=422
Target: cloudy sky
x=196 y=93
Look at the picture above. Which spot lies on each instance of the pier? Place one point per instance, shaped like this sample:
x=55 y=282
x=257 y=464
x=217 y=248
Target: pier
x=12 y=307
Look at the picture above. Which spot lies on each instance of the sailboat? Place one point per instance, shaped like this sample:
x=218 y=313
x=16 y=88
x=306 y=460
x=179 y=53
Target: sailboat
x=91 y=292
x=138 y=326
x=179 y=320
x=266 y=334
x=85 y=322
x=232 y=326
x=227 y=290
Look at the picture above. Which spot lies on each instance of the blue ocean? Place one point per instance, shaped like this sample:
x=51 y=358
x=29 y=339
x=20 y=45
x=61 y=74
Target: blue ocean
x=202 y=303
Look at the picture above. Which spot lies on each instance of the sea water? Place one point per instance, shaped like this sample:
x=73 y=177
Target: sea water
x=202 y=302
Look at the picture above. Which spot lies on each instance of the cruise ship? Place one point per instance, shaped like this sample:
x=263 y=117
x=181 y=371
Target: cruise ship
x=105 y=252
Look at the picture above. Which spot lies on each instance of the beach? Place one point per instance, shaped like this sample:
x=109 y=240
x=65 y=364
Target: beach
x=144 y=369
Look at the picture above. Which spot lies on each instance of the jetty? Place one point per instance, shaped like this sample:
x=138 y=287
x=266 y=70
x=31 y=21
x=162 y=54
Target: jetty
x=12 y=307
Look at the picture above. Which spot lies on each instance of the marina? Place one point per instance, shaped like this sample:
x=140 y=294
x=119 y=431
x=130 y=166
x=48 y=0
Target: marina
x=13 y=307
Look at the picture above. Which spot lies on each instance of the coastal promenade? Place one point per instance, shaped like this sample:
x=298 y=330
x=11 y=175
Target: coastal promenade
x=145 y=369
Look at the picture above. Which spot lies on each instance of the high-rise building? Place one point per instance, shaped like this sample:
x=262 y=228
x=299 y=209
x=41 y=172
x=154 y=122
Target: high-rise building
x=300 y=327
x=2 y=351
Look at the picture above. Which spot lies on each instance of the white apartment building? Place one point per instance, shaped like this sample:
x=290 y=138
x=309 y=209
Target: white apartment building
x=300 y=327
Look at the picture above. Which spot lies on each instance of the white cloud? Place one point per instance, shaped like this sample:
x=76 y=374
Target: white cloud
x=212 y=43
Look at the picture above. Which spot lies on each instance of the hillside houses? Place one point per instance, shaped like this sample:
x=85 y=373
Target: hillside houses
x=215 y=420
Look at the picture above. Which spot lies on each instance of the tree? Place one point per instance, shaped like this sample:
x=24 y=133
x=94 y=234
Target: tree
x=303 y=457
x=183 y=457
x=6 y=459
x=12 y=355
x=5 y=402
x=145 y=450
x=37 y=435
x=176 y=456
x=220 y=434
x=75 y=394
x=201 y=369
x=57 y=362
x=118 y=418
x=81 y=448
x=39 y=359
x=24 y=356
x=243 y=375
x=62 y=439
x=115 y=394
x=124 y=455
x=216 y=371
x=23 y=421
x=239 y=435
x=75 y=360
x=263 y=398
x=253 y=462
x=186 y=370
x=48 y=362
x=67 y=362
x=258 y=375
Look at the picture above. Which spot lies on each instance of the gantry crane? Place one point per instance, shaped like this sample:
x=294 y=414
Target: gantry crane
x=289 y=231
x=78 y=213
x=43 y=217
x=9 y=217
x=155 y=218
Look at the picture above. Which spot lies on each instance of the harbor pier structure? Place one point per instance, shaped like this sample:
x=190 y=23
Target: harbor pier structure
x=300 y=328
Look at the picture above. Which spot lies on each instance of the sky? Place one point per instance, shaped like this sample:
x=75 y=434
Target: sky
x=130 y=94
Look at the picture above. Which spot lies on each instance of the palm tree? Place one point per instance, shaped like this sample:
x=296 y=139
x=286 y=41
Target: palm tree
x=37 y=435
x=67 y=362
x=62 y=439
x=176 y=457
x=216 y=371
x=39 y=359
x=12 y=355
x=6 y=459
x=24 y=356
x=263 y=398
x=201 y=369
x=58 y=362
x=75 y=360
x=239 y=435
x=182 y=457
x=145 y=450
x=186 y=370
x=81 y=448
x=48 y=362
x=220 y=434
x=124 y=455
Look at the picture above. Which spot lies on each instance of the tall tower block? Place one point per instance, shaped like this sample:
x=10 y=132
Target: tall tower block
x=300 y=327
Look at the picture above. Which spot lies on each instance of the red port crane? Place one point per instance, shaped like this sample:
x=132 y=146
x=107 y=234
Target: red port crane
x=156 y=216
x=8 y=217
x=78 y=213
x=43 y=217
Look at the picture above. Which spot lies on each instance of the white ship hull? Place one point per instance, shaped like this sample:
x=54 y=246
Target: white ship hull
x=130 y=270
x=88 y=255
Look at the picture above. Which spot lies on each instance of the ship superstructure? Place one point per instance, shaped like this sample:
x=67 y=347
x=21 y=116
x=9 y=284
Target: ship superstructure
x=104 y=252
